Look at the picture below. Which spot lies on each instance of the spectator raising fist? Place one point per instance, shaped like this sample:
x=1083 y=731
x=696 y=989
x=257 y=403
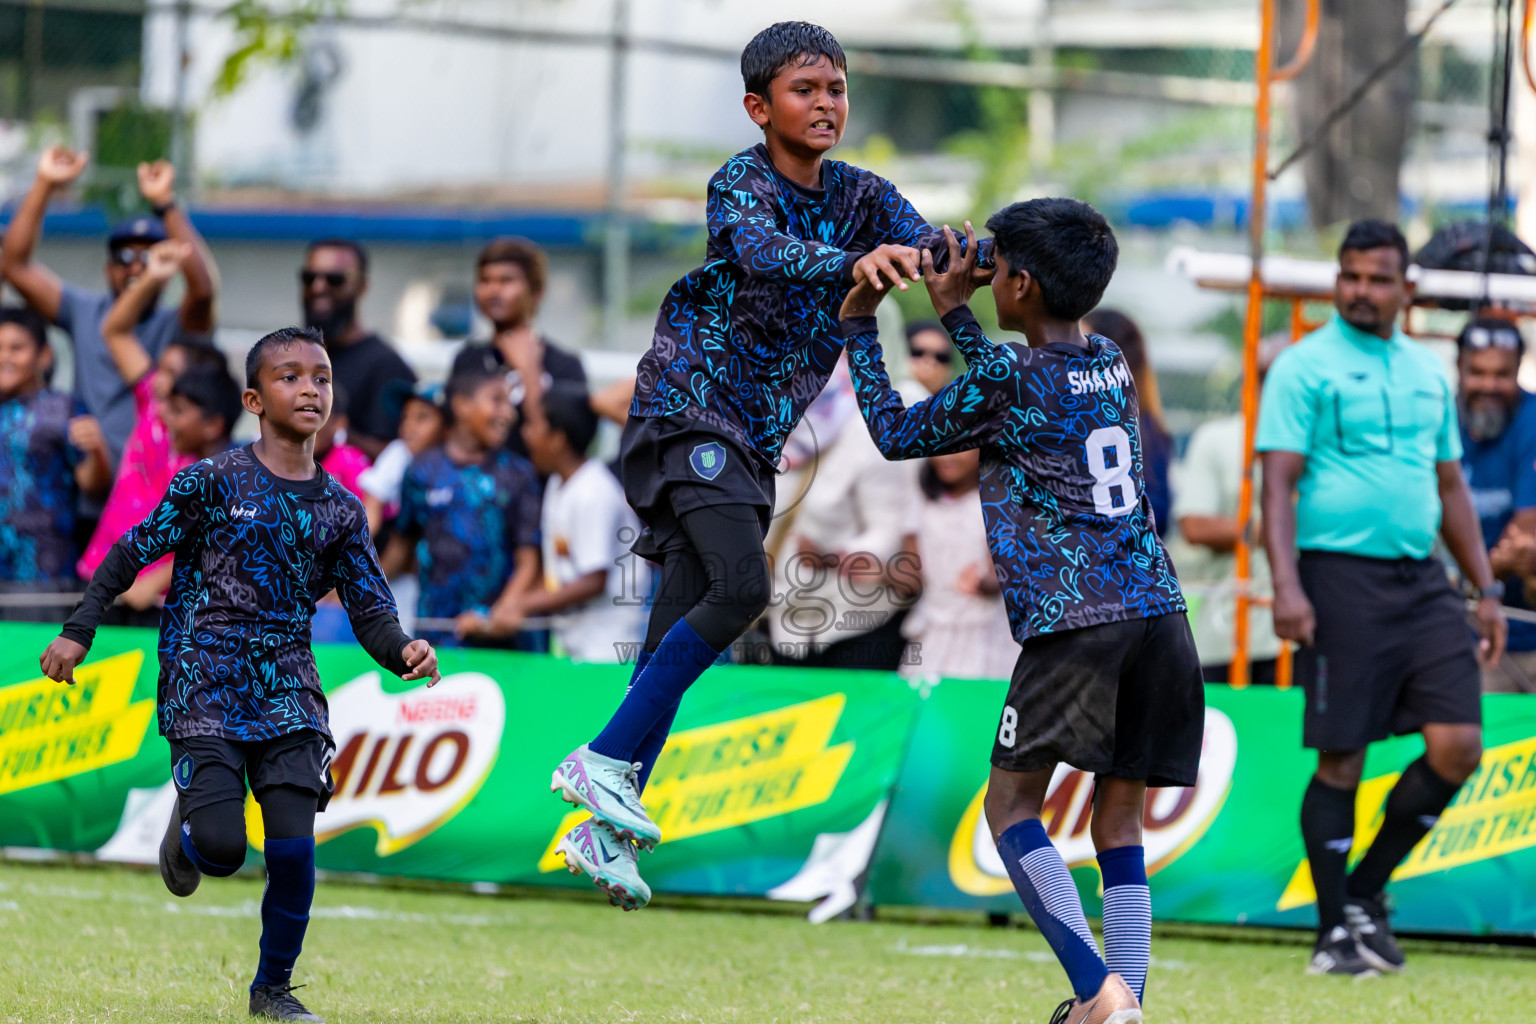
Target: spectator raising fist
x=60 y=165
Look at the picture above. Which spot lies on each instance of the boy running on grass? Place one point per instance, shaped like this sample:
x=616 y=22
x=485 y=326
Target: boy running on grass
x=259 y=534
x=742 y=346
x=1108 y=679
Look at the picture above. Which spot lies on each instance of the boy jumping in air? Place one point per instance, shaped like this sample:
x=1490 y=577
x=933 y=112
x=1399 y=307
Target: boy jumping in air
x=259 y=534
x=742 y=346
x=1108 y=679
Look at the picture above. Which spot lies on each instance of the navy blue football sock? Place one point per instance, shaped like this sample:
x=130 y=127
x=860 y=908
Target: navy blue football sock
x=679 y=660
x=1045 y=885
x=204 y=865
x=1127 y=914
x=285 y=907
x=650 y=747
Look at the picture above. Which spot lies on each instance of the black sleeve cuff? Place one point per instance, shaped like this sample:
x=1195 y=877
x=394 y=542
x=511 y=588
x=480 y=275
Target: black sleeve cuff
x=957 y=318
x=853 y=261
x=79 y=634
x=860 y=325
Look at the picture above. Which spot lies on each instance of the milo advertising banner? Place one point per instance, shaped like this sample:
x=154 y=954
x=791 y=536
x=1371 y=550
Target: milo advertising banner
x=1227 y=850
x=790 y=784
x=774 y=782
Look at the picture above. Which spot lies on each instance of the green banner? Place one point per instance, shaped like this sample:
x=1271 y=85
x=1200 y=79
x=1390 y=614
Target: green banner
x=769 y=774
x=1227 y=850
x=786 y=783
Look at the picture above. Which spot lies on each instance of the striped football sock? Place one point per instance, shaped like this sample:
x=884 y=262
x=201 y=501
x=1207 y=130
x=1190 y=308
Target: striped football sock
x=1127 y=915
x=1049 y=894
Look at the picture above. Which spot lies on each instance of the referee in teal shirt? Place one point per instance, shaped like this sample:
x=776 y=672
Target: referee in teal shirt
x=1359 y=424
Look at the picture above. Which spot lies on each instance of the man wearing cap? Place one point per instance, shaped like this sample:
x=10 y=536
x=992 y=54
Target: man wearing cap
x=1498 y=439
x=79 y=311
x=1358 y=425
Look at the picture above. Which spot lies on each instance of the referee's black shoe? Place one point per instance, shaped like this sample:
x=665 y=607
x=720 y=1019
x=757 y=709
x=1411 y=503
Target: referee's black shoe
x=277 y=1002
x=1368 y=923
x=1338 y=953
x=176 y=868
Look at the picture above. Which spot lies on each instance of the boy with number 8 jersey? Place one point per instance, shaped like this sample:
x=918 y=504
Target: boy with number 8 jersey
x=1107 y=679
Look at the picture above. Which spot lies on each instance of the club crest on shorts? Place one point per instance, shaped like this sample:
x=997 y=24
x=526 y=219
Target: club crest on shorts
x=708 y=459
x=181 y=771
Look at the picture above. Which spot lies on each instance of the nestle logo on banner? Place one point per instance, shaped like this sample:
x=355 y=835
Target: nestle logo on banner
x=438 y=710
x=1174 y=817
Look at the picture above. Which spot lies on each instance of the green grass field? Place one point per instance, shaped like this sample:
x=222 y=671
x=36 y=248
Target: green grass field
x=109 y=944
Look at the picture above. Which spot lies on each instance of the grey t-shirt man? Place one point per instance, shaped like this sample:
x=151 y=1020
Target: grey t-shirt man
x=106 y=395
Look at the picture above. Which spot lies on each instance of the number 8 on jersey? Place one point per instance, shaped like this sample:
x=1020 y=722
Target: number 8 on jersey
x=1109 y=460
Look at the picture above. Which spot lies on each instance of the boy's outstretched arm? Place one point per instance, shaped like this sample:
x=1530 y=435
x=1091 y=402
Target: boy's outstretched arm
x=952 y=273
x=358 y=581
x=965 y=414
x=173 y=521
x=897 y=222
x=742 y=224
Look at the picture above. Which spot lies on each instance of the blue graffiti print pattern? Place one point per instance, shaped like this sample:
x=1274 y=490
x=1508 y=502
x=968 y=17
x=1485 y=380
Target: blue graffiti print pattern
x=745 y=342
x=253 y=555
x=468 y=521
x=37 y=488
x=1068 y=521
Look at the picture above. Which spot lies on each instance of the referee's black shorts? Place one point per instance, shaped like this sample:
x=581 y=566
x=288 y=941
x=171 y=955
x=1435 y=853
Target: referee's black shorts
x=1392 y=651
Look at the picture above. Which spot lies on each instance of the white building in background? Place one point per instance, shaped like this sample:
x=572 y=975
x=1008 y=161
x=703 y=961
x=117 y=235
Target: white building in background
x=449 y=96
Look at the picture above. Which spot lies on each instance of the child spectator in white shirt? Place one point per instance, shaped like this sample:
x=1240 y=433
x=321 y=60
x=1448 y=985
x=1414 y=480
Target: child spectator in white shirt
x=593 y=585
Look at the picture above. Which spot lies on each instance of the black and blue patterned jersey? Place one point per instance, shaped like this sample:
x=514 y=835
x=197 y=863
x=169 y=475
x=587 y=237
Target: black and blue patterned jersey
x=468 y=520
x=1073 y=539
x=254 y=552
x=37 y=488
x=745 y=342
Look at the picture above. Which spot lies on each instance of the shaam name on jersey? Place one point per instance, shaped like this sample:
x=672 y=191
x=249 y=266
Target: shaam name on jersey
x=1082 y=382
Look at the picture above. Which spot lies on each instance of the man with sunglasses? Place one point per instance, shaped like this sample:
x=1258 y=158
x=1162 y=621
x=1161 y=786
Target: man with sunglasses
x=1498 y=437
x=79 y=311
x=932 y=356
x=1359 y=424
x=332 y=282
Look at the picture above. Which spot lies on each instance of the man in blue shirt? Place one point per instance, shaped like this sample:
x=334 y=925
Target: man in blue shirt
x=1498 y=440
x=1362 y=473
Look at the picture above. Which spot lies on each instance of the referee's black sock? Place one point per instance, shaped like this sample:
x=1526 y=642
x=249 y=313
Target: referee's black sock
x=1328 y=830
x=1413 y=807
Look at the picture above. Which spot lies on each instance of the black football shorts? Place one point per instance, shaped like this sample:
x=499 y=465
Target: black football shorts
x=1124 y=699
x=208 y=769
x=671 y=466
x=1391 y=653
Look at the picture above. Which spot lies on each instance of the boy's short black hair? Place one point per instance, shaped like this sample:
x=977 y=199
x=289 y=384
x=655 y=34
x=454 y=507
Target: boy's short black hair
x=213 y=391
x=568 y=408
x=27 y=320
x=1065 y=244
x=786 y=43
x=355 y=248
x=283 y=337
x=466 y=381
x=1364 y=235
x=200 y=350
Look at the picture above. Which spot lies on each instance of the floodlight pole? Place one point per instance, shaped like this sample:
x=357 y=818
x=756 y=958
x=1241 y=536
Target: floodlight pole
x=616 y=224
x=1265 y=75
